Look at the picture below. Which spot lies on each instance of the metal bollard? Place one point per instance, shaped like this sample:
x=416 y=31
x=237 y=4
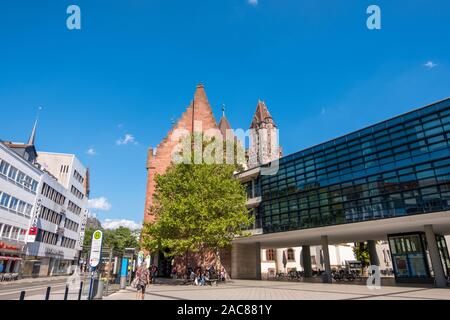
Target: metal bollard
x=81 y=290
x=66 y=292
x=22 y=295
x=47 y=294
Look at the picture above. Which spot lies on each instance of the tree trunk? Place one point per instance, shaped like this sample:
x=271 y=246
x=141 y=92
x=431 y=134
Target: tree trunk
x=218 y=261
x=202 y=250
x=186 y=261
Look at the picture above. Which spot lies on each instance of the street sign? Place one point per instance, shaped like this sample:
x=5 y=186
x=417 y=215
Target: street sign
x=82 y=229
x=33 y=230
x=140 y=257
x=96 y=248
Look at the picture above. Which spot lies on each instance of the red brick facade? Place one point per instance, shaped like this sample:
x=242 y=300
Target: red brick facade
x=197 y=260
x=158 y=162
x=198 y=110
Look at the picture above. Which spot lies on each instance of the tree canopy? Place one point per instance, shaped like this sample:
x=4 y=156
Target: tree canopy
x=117 y=239
x=196 y=207
x=361 y=251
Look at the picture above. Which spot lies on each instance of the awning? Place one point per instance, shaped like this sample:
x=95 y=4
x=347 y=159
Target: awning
x=10 y=258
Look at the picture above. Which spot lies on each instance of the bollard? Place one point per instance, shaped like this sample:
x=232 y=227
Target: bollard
x=97 y=292
x=22 y=295
x=66 y=293
x=47 y=294
x=81 y=290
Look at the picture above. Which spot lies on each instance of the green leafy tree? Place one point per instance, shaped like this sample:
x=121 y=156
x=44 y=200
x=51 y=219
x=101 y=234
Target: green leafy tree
x=87 y=241
x=118 y=239
x=361 y=251
x=197 y=207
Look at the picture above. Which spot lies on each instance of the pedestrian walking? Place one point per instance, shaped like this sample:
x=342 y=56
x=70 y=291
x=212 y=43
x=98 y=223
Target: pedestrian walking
x=143 y=279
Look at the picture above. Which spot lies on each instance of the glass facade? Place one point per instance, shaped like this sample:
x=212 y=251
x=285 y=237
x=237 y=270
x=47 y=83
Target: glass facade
x=394 y=168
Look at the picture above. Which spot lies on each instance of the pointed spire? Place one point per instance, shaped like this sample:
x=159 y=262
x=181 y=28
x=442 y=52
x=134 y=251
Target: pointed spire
x=261 y=115
x=32 y=138
x=200 y=111
x=224 y=124
x=200 y=95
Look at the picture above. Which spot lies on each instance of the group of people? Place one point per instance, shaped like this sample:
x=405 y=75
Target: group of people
x=201 y=277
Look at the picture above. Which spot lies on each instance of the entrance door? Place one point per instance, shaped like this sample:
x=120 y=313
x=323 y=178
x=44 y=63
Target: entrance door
x=443 y=250
x=36 y=269
x=409 y=257
x=164 y=266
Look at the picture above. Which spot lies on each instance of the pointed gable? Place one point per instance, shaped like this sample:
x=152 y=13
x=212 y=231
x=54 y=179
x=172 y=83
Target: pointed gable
x=261 y=115
x=199 y=110
x=224 y=125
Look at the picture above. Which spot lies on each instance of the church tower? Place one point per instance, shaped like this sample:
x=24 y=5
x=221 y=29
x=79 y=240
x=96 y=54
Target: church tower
x=264 y=144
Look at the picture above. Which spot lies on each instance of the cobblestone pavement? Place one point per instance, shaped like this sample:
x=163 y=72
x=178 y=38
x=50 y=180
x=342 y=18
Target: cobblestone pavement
x=275 y=290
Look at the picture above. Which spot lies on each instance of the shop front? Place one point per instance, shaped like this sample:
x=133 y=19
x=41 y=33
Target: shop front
x=411 y=259
x=11 y=257
x=52 y=264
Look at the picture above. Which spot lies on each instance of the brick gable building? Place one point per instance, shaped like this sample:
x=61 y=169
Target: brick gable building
x=159 y=159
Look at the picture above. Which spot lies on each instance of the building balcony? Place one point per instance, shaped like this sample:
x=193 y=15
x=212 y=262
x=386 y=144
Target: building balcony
x=248 y=175
x=251 y=232
x=255 y=232
x=253 y=202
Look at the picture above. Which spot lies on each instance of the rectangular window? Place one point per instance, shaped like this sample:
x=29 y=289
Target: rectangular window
x=13 y=203
x=5 y=200
x=34 y=185
x=12 y=174
x=21 y=207
x=4 y=166
x=28 y=210
x=6 y=231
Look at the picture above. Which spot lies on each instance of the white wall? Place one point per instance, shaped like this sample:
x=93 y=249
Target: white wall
x=14 y=189
x=53 y=162
x=339 y=254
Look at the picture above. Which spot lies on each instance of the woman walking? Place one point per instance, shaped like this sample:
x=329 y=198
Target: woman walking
x=143 y=279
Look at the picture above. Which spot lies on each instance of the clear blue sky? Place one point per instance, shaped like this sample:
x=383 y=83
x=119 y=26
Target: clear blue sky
x=135 y=63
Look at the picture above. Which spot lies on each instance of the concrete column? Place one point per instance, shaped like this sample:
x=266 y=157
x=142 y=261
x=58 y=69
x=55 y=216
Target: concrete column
x=306 y=257
x=326 y=259
x=279 y=255
x=439 y=275
x=338 y=255
x=372 y=246
x=246 y=261
x=258 y=261
x=253 y=188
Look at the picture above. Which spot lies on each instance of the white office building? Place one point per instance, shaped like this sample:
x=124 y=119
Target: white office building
x=63 y=199
x=19 y=181
x=43 y=210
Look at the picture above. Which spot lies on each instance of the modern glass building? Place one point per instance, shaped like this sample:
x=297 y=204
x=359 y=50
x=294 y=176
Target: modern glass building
x=396 y=168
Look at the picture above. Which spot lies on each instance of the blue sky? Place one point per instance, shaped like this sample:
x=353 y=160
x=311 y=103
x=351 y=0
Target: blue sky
x=134 y=66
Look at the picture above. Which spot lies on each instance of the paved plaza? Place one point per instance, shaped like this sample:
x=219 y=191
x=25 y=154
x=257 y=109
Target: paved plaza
x=276 y=290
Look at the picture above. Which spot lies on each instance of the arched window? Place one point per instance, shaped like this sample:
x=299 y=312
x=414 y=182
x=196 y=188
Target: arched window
x=270 y=255
x=291 y=254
